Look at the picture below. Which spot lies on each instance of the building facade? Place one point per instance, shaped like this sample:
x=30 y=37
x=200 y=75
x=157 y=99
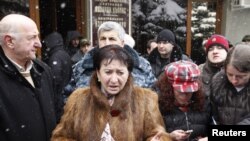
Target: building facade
x=191 y=20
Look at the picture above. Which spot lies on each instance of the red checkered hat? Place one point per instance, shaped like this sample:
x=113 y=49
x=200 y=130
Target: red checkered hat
x=183 y=75
x=217 y=40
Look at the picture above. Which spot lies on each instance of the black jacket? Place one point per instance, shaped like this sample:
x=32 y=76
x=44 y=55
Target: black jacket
x=229 y=106
x=158 y=64
x=60 y=63
x=208 y=70
x=26 y=113
x=197 y=121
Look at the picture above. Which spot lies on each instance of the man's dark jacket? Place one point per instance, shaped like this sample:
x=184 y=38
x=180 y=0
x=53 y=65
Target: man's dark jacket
x=26 y=113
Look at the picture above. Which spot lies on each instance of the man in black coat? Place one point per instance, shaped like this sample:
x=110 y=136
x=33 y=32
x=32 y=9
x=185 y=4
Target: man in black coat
x=27 y=110
x=61 y=65
x=167 y=51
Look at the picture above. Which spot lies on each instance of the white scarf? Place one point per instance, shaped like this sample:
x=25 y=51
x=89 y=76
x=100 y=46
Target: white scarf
x=106 y=134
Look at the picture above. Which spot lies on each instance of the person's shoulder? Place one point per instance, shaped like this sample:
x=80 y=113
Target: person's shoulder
x=76 y=98
x=90 y=53
x=219 y=78
x=201 y=66
x=40 y=64
x=145 y=93
x=143 y=60
x=79 y=93
x=219 y=74
x=186 y=57
x=86 y=61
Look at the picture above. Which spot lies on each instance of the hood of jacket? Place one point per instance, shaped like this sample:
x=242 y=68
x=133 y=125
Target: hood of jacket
x=53 y=42
x=135 y=56
x=72 y=35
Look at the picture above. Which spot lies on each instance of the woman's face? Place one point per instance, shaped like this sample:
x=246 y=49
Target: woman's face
x=113 y=76
x=238 y=79
x=182 y=98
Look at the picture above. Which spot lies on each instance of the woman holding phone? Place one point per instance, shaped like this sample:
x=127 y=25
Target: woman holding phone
x=182 y=103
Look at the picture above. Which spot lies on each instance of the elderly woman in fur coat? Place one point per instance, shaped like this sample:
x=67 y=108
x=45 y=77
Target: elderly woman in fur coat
x=112 y=108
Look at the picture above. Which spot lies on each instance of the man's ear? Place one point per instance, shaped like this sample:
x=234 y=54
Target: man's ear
x=9 y=42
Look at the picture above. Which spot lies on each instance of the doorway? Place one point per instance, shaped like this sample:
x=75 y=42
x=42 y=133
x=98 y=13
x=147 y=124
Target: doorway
x=57 y=15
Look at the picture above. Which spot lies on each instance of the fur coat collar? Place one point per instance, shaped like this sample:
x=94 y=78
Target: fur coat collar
x=134 y=115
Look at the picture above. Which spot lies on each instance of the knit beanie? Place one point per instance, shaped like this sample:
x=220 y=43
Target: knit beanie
x=246 y=38
x=166 y=35
x=217 y=40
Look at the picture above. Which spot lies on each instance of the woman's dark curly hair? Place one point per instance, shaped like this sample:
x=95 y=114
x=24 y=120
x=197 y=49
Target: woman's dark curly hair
x=167 y=98
x=110 y=53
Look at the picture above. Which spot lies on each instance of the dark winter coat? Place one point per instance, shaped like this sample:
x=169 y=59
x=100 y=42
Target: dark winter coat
x=229 y=106
x=191 y=120
x=26 y=113
x=60 y=64
x=208 y=70
x=158 y=64
x=134 y=116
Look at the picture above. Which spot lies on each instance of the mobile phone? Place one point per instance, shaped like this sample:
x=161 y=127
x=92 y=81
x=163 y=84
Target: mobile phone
x=189 y=131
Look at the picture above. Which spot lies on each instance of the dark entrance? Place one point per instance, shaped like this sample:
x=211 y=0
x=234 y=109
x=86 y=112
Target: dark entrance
x=57 y=15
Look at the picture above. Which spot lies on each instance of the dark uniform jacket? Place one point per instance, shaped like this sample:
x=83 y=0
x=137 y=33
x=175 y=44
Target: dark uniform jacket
x=26 y=113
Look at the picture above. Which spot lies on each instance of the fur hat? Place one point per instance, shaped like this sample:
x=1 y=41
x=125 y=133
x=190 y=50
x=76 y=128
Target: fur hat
x=166 y=35
x=217 y=40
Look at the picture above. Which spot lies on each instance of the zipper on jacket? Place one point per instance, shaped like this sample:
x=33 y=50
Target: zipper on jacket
x=187 y=122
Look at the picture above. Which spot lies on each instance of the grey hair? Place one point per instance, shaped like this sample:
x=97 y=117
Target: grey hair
x=112 y=26
x=6 y=28
x=11 y=24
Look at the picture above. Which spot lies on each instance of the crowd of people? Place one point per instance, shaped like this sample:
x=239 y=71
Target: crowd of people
x=112 y=93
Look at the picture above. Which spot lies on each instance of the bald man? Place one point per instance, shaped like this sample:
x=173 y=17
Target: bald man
x=27 y=111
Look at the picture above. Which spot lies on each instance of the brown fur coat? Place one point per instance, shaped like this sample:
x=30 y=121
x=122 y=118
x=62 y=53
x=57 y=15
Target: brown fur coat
x=136 y=118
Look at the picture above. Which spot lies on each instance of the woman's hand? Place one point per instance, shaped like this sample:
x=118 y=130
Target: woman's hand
x=157 y=137
x=179 y=135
